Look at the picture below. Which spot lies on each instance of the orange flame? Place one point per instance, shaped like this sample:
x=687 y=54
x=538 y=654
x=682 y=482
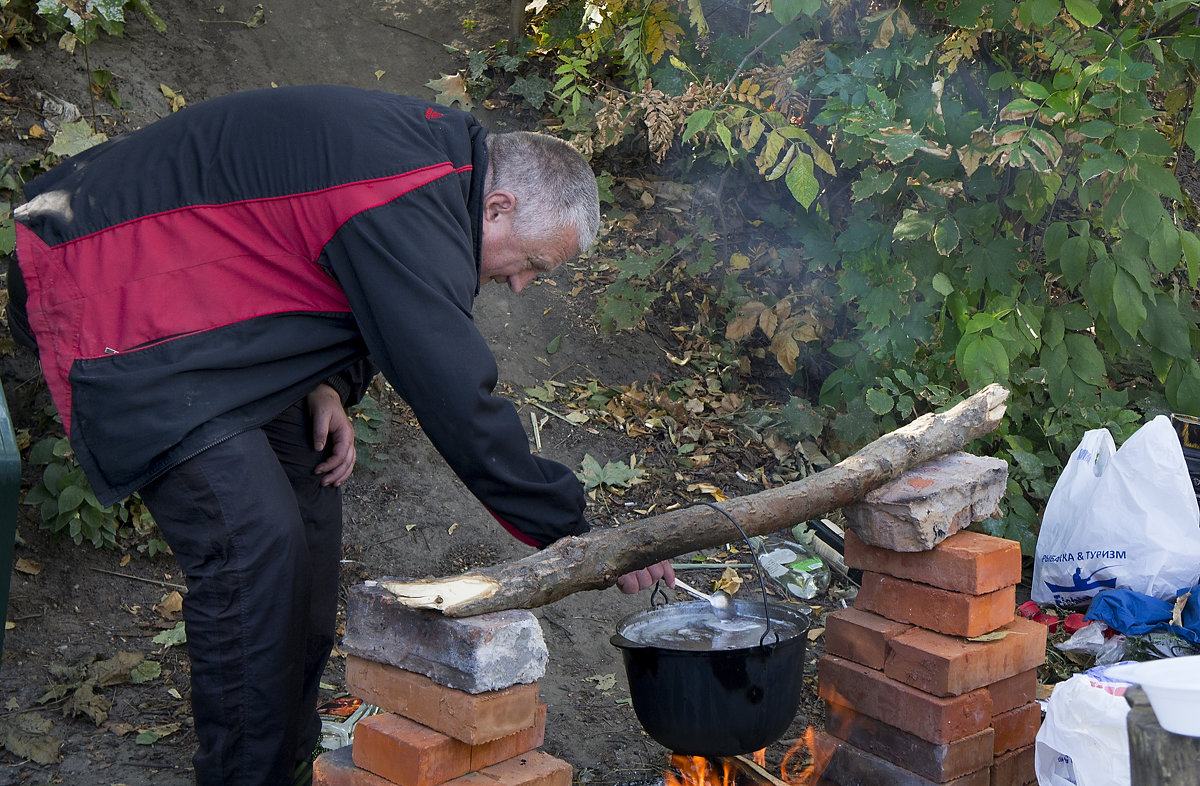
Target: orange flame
x=791 y=769
x=695 y=771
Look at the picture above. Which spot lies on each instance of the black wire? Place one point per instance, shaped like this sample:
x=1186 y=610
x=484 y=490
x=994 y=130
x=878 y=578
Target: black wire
x=762 y=584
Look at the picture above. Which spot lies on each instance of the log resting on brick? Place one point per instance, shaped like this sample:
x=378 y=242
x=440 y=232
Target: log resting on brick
x=923 y=507
x=595 y=560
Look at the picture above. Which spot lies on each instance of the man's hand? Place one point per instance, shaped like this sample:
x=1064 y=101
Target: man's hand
x=638 y=580
x=330 y=425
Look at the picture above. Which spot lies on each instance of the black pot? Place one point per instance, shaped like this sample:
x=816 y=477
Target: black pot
x=716 y=702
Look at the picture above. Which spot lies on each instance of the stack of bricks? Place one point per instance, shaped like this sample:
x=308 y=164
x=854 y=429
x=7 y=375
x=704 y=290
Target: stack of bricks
x=931 y=677
x=459 y=699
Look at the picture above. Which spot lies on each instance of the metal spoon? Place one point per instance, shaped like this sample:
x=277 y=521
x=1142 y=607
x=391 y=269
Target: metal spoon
x=720 y=601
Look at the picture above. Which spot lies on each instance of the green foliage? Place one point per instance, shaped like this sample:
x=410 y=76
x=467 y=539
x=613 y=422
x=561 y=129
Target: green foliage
x=981 y=193
x=368 y=420
x=69 y=507
x=84 y=20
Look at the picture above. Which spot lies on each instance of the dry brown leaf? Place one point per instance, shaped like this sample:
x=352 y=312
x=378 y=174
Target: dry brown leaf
x=170 y=605
x=28 y=566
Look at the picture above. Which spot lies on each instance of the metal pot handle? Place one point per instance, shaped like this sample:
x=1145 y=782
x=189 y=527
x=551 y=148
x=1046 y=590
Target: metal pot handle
x=762 y=584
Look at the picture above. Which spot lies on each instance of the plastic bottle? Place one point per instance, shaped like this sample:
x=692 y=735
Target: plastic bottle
x=791 y=566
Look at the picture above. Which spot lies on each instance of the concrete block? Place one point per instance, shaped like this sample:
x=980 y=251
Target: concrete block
x=938 y=763
x=926 y=505
x=932 y=718
x=407 y=753
x=1014 y=768
x=535 y=768
x=861 y=636
x=486 y=652
x=842 y=764
x=1016 y=728
x=336 y=768
x=473 y=718
x=952 y=613
x=1016 y=691
x=969 y=562
x=949 y=665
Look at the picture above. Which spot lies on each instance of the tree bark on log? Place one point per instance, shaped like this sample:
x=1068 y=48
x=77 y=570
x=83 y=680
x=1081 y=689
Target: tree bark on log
x=595 y=560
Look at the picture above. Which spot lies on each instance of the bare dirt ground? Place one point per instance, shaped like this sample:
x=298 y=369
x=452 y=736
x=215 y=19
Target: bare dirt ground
x=409 y=516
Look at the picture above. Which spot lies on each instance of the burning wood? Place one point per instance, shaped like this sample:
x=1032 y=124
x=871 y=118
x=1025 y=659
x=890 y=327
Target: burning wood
x=796 y=768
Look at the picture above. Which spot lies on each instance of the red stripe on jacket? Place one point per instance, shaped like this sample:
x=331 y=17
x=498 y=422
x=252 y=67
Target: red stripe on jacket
x=189 y=270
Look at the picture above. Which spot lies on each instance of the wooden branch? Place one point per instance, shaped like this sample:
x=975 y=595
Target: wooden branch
x=595 y=560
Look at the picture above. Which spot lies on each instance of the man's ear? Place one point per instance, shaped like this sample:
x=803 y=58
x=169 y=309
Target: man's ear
x=498 y=203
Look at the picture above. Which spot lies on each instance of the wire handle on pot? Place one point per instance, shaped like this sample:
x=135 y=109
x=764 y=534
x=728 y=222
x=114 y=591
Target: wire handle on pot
x=762 y=584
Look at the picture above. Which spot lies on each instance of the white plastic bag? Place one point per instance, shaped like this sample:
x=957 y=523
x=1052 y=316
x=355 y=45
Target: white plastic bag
x=1083 y=741
x=1119 y=519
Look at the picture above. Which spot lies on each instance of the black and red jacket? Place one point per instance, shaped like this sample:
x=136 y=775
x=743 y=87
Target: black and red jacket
x=190 y=280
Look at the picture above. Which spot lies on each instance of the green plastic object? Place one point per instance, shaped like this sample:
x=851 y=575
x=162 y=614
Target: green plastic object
x=10 y=491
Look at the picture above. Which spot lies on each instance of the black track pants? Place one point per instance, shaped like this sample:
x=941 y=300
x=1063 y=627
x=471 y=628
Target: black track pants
x=259 y=541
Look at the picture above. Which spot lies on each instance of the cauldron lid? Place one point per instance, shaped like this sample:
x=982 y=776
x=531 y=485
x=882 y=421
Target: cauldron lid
x=692 y=626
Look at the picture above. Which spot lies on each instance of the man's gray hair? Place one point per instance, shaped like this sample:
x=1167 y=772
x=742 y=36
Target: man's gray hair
x=553 y=183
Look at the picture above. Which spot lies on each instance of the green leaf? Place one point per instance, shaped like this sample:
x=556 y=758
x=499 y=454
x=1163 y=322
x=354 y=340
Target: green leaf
x=1053 y=329
x=1043 y=12
x=873 y=181
x=696 y=122
x=531 y=88
x=1166 y=329
x=1143 y=211
x=1096 y=129
x=1053 y=239
x=554 y=345
x=1166 y=251
x=879 y=402
x=1191 y=133
x=942 y=284
x=1084 y=359
x=145 y=671
x=801 y=181
x=1073 y=259
x=1084 y=12
x=945 y=236
x=173 y=637
x=982 y=359
x=913 y=225
x=1191 y=255
x=75 y=138
x=1128 y=301
x=785 y=11
x=70 y=498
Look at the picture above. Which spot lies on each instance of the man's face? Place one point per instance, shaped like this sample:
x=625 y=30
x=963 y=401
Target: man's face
x=514 y=260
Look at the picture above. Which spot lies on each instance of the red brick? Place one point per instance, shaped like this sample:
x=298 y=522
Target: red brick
x=407 y=753
x=936 y=762
x=842 y=764
x=927 y=716
x=1014 y=768
x=1013 y=692
x=860 y=636
x=953 y=613
x=1016 y=728
x=949 y=665
x=471 y=717
x=535 y=768
x=969 y=562
x=336 y=768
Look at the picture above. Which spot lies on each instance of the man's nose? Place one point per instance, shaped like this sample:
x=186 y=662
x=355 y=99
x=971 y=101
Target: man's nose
x=518 y=282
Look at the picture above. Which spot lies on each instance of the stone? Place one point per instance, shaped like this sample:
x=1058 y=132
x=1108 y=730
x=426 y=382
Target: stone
x=926 y=505
x=486 y=652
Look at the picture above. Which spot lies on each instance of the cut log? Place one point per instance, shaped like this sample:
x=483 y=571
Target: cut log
x=595 y=560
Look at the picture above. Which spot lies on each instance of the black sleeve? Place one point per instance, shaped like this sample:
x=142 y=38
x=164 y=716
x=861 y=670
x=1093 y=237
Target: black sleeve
x=351 y=383
x=408 y=270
